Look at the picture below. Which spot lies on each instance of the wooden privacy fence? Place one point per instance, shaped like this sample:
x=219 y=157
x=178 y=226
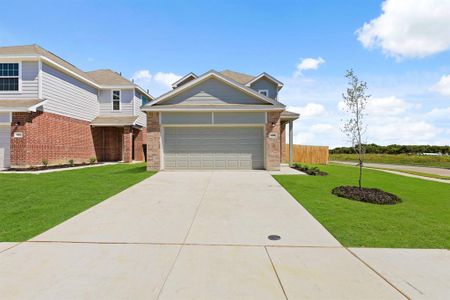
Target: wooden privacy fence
x=307 y=154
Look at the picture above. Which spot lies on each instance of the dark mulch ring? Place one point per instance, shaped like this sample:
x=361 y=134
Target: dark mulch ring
x=369 y=195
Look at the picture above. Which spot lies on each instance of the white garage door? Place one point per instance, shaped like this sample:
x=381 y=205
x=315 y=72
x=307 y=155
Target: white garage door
x=213 y=148
x=4 y=146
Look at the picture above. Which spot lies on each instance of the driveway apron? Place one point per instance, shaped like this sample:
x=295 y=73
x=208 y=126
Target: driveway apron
x=191 y=235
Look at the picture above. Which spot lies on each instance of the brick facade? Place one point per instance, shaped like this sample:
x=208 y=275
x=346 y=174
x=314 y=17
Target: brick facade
x=284 y=156
x=127 y=144
x=272 y=141
x=58 y=139
x=153 y=142
x=49 y=137
x=140 y=139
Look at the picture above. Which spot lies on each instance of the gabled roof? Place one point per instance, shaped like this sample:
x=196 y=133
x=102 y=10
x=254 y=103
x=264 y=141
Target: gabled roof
x=98 y=79
x=183 y=79
x=37 y=50
x=264 y=74
x=242 y=78
x=219 y=76
x=108 y=77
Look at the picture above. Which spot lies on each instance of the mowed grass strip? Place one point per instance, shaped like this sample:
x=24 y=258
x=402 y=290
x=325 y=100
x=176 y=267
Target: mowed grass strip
x=422 y=220
x=398 y=159
x=31 y=204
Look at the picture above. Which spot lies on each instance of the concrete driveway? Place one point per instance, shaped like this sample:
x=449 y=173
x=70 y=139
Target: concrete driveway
x=190 y=235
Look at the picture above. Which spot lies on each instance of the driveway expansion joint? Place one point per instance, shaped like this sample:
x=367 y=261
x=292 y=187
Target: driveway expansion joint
x=276 y=273
x=378 y=273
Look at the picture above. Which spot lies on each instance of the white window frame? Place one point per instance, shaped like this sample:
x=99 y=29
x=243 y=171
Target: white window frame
x=19 y=77
x=264 y=92
x=112 y=100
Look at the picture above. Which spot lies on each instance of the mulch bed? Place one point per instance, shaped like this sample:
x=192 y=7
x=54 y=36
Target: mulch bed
x=369 y=195
x=314 y=171
x=42 y=168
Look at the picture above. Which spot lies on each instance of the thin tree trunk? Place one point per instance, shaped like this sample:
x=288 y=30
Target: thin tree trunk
x=360 y=173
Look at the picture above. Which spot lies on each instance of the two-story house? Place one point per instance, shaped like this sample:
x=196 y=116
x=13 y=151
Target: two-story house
x=219 y=120
x=52 y=111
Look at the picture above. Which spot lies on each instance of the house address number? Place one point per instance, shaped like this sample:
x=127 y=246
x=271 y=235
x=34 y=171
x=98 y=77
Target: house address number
x=18 y=135
x=272 y=135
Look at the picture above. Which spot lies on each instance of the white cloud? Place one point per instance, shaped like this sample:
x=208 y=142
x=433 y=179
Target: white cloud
x=439 y=113
x=387 y=106
x=310 y=110
x=321 y=128
x=443 y=86
x=403 y=131
x=157 y=83
x=308 y=64
x=166 y=78
x=409 y=28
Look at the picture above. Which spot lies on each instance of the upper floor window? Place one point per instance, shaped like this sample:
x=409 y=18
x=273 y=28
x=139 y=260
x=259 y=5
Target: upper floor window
x=264 y=92
x=116 y=100
x=9 y=76
x=144 y=100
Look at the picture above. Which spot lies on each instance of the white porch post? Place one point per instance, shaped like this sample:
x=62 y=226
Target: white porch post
x=291 y=142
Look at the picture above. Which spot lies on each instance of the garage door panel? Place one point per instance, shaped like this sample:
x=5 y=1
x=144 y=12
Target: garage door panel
x=213 y=148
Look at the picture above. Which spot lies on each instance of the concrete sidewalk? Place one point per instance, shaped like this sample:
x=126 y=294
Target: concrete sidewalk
x=396 y=169
x=191 y=235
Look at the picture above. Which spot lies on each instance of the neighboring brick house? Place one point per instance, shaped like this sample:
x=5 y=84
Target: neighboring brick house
x=219 y=120
x=51 y=110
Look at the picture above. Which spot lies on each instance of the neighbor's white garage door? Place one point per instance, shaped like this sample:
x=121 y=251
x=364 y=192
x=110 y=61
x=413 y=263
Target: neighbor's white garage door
x=213 y=148
x=4 y=146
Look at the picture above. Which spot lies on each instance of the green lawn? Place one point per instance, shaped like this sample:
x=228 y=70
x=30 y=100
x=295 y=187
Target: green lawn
x=422 y=220
x=31 y=204
x=399 y=159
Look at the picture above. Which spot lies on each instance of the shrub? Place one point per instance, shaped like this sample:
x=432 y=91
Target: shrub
x=45 y=163
x=92 y=160
x=71 y=162
x=369 y=195
x=314 y=171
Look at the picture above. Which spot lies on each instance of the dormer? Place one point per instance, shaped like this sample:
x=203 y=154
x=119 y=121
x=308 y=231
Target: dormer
x=183 y=80
x=265 y=84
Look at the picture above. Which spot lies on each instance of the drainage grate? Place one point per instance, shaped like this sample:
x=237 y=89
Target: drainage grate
x=274 y=237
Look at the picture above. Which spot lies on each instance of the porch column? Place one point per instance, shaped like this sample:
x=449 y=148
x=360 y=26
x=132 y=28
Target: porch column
x=291 y=142
x=127 y=146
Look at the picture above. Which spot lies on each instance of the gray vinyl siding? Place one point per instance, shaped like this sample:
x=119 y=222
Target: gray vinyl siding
x=186 y=118
x=212 y=91
x=5 y=147
x=68 y=96
x=239 y=118
x=207 y=118
x=126 y=102
x=30 y=82
x=142 y=117
x=264 y=84
x=4 y=117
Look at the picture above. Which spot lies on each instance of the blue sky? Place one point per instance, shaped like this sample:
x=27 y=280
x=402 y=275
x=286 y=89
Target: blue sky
x=403 y=53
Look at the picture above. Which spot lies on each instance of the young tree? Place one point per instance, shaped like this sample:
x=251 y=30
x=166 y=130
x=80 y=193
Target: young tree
x=355 y=100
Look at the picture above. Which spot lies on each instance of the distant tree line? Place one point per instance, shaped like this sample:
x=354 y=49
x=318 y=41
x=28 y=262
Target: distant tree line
x=394 y=149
